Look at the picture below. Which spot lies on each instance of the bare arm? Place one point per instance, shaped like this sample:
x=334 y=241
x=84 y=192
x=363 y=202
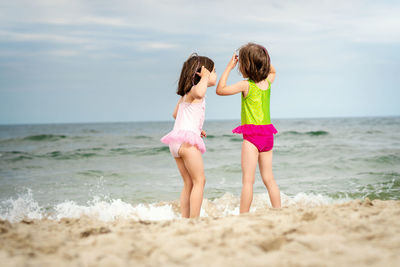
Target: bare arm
x=222 y=88
x=176 y=108
x=272 y=74
x=199 y=90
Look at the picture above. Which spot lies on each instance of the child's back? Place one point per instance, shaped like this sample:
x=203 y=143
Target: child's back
x=188 y=125
x=185 y=140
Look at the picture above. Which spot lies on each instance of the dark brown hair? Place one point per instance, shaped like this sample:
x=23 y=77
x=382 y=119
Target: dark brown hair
x=188 y=76
x=254 y=62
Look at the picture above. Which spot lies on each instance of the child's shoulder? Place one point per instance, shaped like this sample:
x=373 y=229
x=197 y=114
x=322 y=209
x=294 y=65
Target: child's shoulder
x=180 y=99
x=246 y=82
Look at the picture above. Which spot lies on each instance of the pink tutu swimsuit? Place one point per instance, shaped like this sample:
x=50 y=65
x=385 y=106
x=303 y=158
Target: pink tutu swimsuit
x=256 y=125
x=187 y=128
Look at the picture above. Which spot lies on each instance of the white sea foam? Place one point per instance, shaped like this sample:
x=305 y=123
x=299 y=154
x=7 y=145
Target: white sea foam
x=106 y=209
x=113 y=209
x=24 y=206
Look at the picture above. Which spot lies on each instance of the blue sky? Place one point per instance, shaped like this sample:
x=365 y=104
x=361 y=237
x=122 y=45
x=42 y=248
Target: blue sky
x=102 y=61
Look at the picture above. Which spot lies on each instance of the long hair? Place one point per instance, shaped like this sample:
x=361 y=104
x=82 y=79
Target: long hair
x=188 y=77
x=254 y=62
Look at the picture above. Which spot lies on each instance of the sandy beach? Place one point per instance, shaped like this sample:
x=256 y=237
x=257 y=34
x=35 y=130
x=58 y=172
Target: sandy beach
x=356 y=233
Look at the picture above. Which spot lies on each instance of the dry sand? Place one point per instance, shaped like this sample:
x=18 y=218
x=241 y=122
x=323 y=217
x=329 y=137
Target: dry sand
x=357 y=233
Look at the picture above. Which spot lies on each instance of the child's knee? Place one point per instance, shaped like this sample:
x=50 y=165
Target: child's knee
x=188 y=184
x=249 y=182
x=269 y=180
x=199 y=180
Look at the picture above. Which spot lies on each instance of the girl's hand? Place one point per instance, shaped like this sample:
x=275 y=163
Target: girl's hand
x=204 y=72
x=203 y=134
x=199 y=90
x=234 y=60
x=239 y=87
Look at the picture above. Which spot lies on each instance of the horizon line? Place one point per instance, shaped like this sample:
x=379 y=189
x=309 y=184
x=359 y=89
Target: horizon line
x=208 y=120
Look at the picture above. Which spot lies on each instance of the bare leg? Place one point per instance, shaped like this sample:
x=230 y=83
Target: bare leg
x=194 y=165
x=187 y=188
x=249 y=164
x=265 y=164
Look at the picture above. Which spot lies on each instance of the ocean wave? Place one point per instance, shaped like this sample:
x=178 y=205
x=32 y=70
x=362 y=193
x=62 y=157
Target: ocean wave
x=392 y=159
x=309 y=133
x=24 y=206
x=373 y=132
x=381 y=160
x=387 y=174
x=384 y=190
x=83 y=153
x=98 y=173
x=90 y=131
x=14 y=156
x=58 y=155
x=150 y=151
x=143 y=137
x=41 y=138
x=388 y=188
x=45 y=137
x=139 y=151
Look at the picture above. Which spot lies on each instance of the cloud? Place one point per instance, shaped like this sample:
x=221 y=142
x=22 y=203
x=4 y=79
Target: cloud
x=120 y=45
x=44 y=37
x=63 y=53
x=278 y=21
x=92 y=20
x=156 y=46
x=125 y=29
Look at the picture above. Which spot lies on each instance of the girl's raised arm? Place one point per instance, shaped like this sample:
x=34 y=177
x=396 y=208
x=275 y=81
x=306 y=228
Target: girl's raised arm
x=222 y=88
x=199 y=91
x=272 y=74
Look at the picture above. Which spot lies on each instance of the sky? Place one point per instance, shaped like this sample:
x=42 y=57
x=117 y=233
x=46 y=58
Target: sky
x=66 y=61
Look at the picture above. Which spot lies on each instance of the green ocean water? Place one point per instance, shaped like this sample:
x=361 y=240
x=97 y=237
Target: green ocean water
x=315 y=161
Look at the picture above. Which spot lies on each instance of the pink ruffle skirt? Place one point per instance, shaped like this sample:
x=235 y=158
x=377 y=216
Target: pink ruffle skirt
x=184 y=136
x=252 y=129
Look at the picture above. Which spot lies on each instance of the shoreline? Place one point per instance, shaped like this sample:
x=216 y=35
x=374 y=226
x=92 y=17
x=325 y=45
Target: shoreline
x=356 y=233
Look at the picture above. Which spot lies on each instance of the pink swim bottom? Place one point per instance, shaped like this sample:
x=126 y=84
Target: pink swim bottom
x=262 y=142
x=174 y=149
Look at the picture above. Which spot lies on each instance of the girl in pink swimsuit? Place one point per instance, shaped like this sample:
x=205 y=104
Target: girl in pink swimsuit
x=256 y=127
x=185 y=140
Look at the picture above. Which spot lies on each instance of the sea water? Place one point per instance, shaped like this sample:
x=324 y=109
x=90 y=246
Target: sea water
x=122 y=170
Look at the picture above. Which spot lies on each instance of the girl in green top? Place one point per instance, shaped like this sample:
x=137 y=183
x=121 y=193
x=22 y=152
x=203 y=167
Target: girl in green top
x=256 y=127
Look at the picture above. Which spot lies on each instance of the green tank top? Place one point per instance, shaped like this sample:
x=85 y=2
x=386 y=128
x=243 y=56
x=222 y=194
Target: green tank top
x=255 y=106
